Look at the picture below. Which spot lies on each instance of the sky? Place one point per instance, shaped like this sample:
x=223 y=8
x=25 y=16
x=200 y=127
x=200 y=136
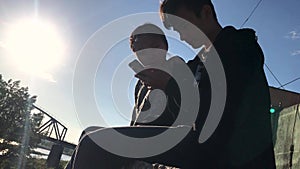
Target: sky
x=84 y=73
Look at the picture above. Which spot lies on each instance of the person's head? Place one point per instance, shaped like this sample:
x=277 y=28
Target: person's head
x=200 y=13
x=149 y=43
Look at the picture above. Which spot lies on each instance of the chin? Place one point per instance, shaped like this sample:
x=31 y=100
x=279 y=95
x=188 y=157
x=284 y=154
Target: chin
x=195 y=46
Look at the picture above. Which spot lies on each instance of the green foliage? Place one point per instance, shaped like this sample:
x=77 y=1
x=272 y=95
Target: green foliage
x=18 y=126
x=37 y=163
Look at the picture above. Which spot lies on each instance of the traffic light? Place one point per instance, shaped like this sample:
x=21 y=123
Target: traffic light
x=275 y=109
x=272 y=110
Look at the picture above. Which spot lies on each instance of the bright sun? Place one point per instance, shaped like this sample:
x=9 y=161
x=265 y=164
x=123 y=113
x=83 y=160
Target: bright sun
x=34 y=46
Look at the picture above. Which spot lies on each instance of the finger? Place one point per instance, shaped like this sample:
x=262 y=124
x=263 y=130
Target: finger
x=140 y=76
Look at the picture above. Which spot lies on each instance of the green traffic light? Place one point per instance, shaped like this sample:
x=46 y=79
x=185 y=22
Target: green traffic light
x=272 y=110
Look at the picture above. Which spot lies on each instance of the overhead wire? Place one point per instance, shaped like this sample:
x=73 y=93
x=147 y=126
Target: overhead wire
x=252 y=12
x=281 y=86
x=292 y=81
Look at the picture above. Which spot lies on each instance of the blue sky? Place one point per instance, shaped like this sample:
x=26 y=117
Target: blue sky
x=276 y=22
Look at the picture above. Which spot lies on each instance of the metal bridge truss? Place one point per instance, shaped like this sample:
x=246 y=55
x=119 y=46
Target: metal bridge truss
x=52 y=127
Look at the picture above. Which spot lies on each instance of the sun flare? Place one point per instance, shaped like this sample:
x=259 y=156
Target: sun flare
x=34 y=46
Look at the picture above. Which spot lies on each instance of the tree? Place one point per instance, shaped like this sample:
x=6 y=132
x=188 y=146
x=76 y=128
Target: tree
x=18 y=126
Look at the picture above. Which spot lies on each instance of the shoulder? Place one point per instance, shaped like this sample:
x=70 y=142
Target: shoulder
x=229 y=32
x=242 y=36
x=238 y=40
x=175 y=60
x=245 y=42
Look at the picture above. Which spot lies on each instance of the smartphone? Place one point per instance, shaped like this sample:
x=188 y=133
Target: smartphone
x=136 y=66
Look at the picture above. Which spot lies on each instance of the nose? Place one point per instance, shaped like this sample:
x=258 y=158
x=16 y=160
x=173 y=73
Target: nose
x=182 y=37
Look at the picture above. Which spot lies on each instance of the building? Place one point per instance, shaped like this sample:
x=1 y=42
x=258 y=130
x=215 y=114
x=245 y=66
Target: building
x=286 y=127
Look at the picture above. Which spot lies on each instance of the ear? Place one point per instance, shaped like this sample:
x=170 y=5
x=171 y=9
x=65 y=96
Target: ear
x=206 y=11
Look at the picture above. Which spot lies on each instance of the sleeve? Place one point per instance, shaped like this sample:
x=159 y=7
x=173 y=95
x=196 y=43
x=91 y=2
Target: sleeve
x=139 y=97
x=249 y=101
x=245 y=79
x=136 y=91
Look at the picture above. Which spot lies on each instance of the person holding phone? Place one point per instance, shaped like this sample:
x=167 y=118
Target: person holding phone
x=150 y=46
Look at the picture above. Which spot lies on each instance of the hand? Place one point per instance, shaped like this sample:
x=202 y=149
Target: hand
x=156 y=79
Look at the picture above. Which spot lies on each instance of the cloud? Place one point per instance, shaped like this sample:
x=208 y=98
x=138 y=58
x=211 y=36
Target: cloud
x=42 y=75
x=47 y=76
x=293 y=35
x=297 y=52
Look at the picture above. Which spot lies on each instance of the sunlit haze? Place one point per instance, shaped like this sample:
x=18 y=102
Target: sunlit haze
x=34 y=46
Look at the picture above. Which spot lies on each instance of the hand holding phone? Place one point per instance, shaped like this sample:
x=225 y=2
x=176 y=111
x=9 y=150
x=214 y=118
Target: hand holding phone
x=136 y=66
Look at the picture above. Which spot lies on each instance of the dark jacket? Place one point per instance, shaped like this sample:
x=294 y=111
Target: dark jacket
x=169 y=114
x=243 y=138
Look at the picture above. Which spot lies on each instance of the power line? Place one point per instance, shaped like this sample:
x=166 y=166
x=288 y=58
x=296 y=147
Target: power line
x=251 y=14
x=289 y=82
x=274 y=76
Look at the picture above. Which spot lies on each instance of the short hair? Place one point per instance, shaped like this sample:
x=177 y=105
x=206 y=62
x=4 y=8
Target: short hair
x=147 y=29
x=171 y=7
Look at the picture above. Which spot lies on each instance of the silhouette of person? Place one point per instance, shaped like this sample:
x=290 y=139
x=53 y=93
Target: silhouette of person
x=149 y=44
x=243 y=138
